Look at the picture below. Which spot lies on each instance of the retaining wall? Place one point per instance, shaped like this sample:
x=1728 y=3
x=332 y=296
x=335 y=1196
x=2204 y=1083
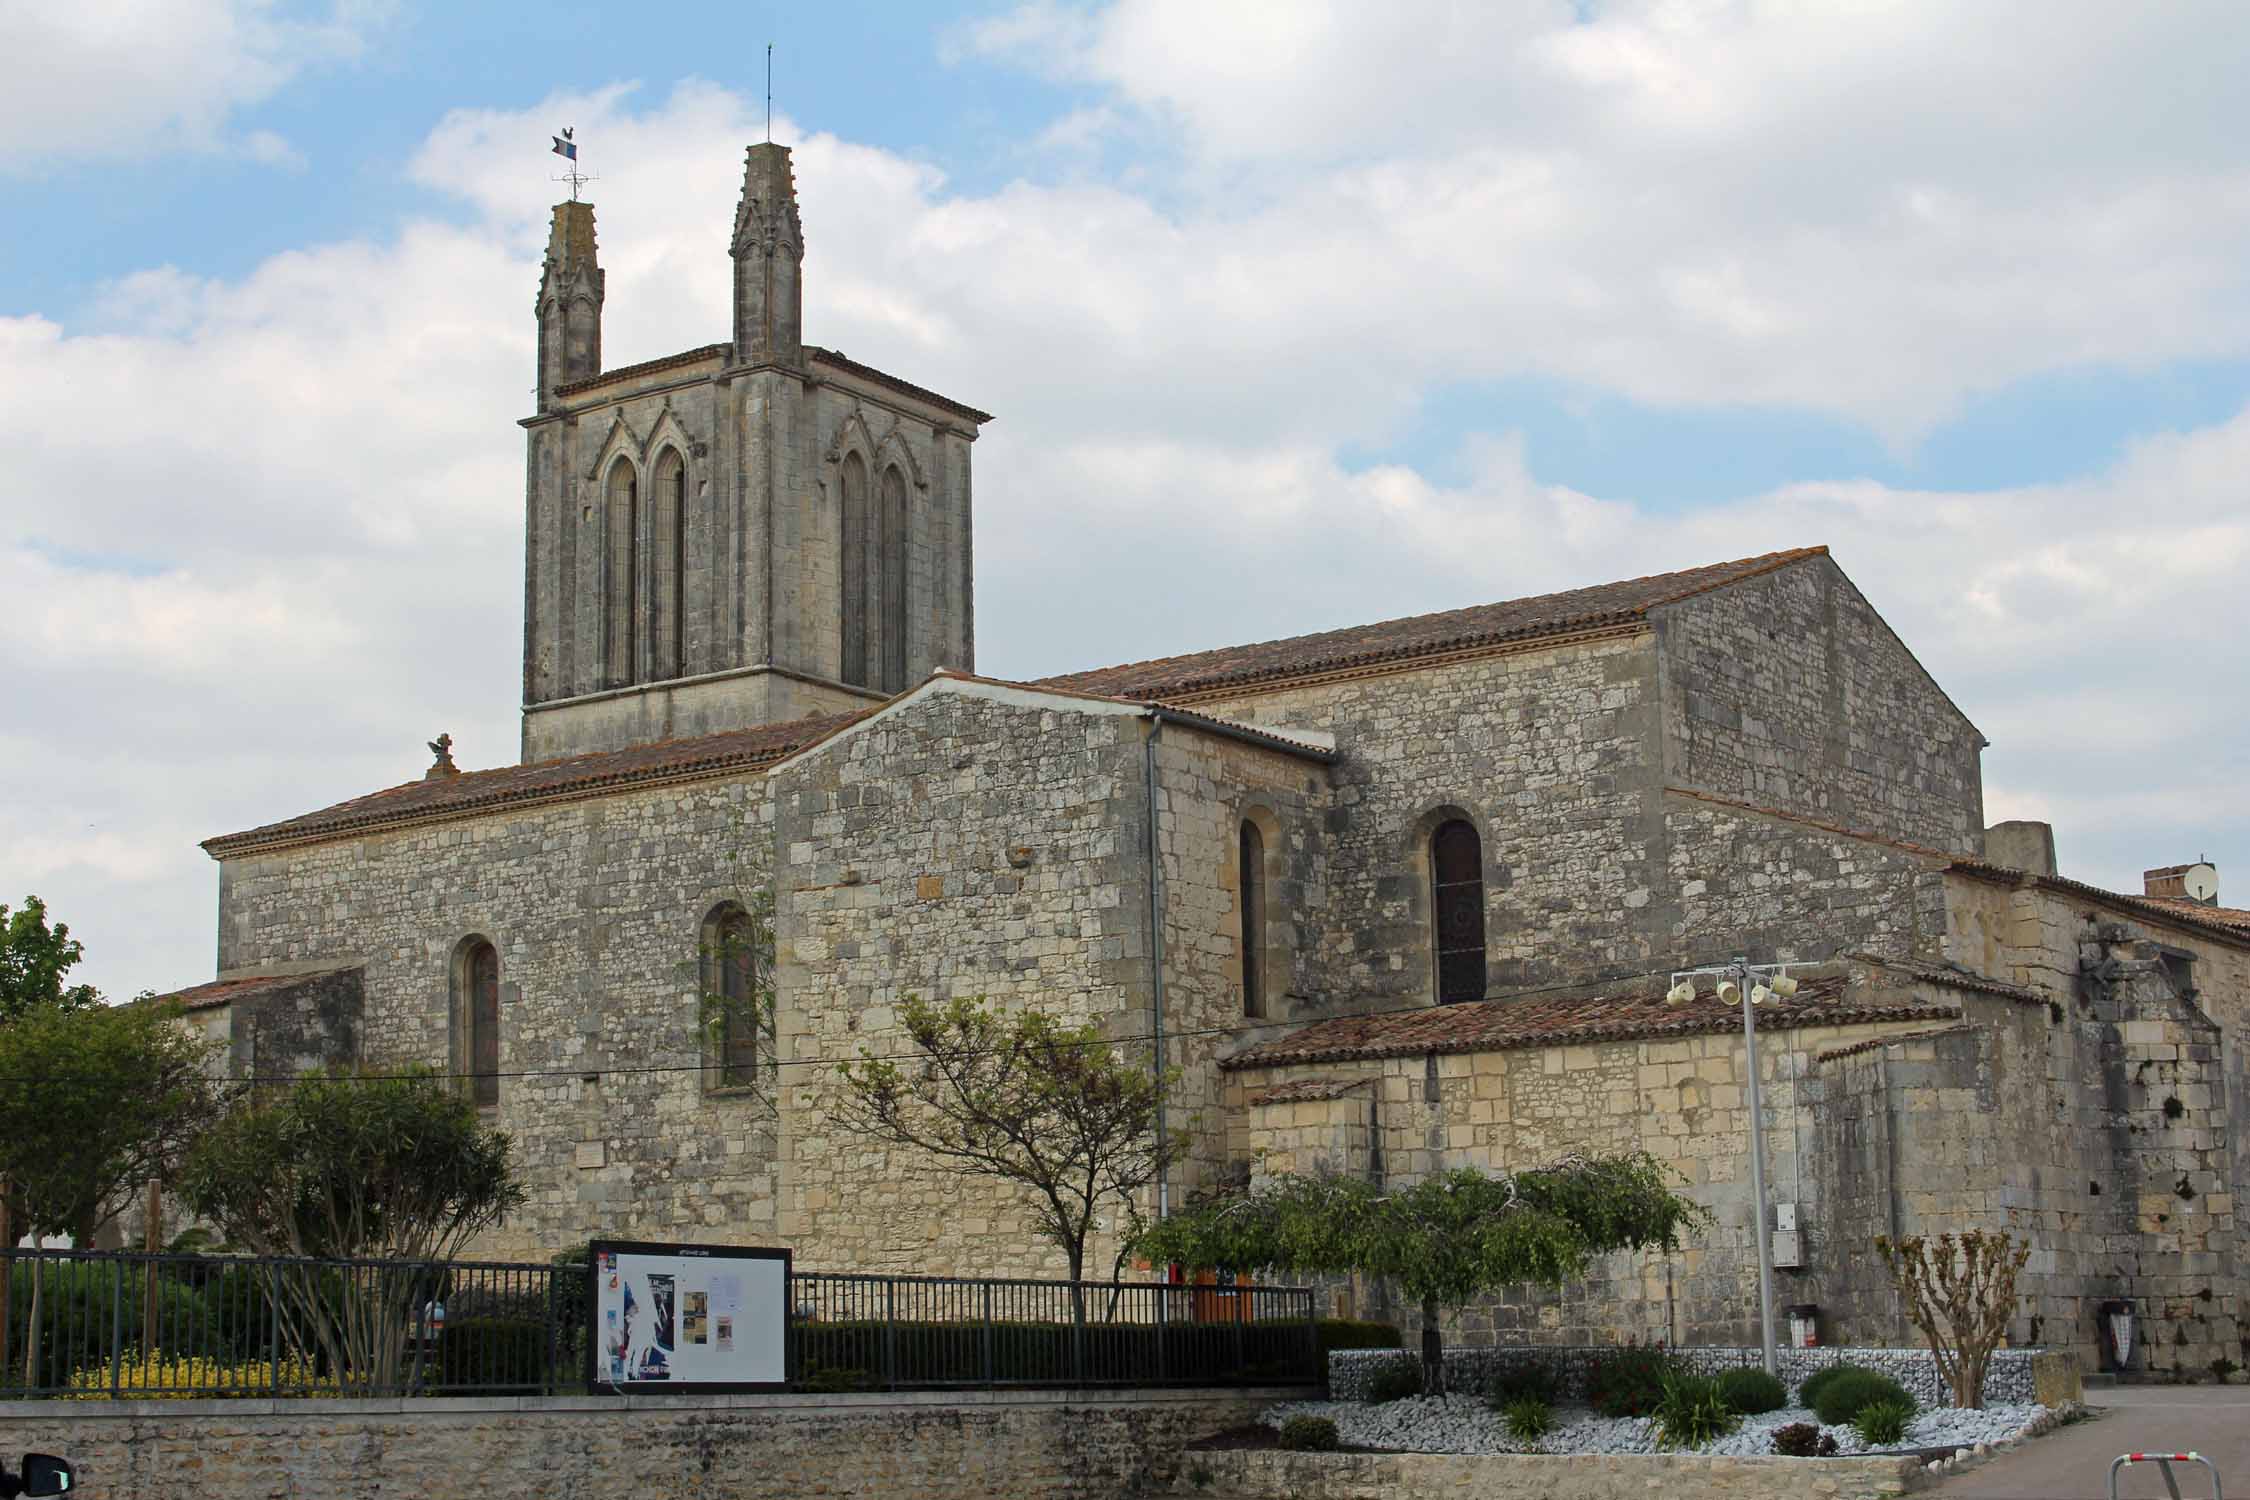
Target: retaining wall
x=1031 y=1445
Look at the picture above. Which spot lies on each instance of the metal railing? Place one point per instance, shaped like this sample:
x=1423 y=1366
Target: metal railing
x=89 y=1325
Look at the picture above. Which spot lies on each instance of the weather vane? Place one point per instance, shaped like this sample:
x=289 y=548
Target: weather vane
x=567 y=149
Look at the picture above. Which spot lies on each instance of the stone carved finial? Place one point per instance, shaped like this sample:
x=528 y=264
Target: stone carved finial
x=442 y=748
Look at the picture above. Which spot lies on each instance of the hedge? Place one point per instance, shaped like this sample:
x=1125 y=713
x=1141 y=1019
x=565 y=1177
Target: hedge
x=923 y=1353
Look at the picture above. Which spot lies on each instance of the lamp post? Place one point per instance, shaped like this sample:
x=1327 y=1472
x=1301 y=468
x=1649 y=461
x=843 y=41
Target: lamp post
x=1744 y=981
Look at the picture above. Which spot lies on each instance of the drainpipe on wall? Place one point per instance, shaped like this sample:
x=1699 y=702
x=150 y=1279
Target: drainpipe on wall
x=1156 y=947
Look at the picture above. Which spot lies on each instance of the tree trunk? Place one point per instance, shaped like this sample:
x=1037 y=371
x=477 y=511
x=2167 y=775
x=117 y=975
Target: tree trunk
x=1433 y=1350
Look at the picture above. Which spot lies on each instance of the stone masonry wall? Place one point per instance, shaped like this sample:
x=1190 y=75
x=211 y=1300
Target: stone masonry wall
x=1552 y=753
x=1681 y=1099
x=978 y=1446
x=1788 y=691
x=595 y=908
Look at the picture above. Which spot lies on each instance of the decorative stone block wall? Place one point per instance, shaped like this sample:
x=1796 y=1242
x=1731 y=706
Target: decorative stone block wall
x=1252 y=1475
x=979 y=1446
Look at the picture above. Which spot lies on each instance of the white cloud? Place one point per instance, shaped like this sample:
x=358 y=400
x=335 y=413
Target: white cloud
x=137 y=78
x=261 y=537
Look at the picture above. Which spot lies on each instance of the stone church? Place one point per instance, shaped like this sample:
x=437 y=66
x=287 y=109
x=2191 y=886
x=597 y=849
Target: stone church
x=1392 y=898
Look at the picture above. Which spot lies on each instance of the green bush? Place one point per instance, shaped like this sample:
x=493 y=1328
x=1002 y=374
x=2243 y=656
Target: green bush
x=1394 y=1379
x=1692 y=1411
x=1803 y=1440
x=495 y=1356
x=1883 y=1423
x=1751 y=1391
x=1628 y=1382
x=833 y=1380
x=81 y=1304
x=1531 y=1377
x=1808 y=1394
x=1842 y=1398
x=1528 y=1419
x=1309 y=1435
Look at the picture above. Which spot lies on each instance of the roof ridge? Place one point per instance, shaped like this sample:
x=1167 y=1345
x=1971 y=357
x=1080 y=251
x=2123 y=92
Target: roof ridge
x=1692 y=581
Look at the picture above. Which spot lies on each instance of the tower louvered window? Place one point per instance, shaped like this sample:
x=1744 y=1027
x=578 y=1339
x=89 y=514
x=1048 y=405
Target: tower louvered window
x=1457 y=902
x=853 y=569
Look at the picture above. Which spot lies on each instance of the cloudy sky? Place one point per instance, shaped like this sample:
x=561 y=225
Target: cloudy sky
x=1294 y=316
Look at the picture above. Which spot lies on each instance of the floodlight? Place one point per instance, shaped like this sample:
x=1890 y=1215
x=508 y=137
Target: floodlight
x=1784 y=986
x=1680 y=994
x=1759 y=994
x=1729 y=992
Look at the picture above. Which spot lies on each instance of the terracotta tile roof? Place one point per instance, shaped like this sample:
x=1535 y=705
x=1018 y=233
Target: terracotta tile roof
x=903 y=387
x=1310 y=1090
x=1421 y=635
x=1870 y=1044
x=1857 y=835
x=2216 y=921
x=665 y=760
x=2225 y=916
x=1497 y=1025
x=227 y=991
x=1952 y=976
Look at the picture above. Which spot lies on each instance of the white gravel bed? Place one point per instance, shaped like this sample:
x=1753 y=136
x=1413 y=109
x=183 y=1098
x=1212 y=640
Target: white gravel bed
x=1464 y=1424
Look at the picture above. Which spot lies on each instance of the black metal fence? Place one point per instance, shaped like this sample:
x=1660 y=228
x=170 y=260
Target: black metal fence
x=104 y=1326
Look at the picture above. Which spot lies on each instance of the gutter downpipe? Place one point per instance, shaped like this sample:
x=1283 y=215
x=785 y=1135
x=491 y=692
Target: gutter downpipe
x=1156 y=945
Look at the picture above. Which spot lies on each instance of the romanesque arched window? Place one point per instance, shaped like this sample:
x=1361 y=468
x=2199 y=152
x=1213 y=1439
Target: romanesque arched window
x=1457 y=908
x=621 y=573
x=891 y=559
x=668 y=544
x=852 y=567
x=731 y=996
x=1251 y=878
x=476 y=1018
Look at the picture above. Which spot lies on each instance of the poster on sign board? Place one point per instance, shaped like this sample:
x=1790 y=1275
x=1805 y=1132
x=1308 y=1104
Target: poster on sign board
x=688 y=1318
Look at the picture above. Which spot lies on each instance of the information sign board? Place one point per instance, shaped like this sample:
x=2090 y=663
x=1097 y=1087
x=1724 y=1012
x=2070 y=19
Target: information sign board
x=688 y=1318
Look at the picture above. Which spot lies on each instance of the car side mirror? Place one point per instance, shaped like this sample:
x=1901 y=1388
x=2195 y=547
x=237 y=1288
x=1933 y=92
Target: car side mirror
x=44 y=1474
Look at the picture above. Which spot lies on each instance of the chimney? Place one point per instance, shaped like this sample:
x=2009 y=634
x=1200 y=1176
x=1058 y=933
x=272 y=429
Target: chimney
x=2198 y=882
x=2022 y=845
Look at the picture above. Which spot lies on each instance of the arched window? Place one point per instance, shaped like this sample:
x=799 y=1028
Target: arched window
x=476 y=1018
x=1457 y=904
x=1251 y=877
x=731 y=996
x=668 y=541
x=623 y=571
x=852 y=568
x=893 y=560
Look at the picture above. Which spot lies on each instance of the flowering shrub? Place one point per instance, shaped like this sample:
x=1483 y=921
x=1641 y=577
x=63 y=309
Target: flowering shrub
x=157 y=1376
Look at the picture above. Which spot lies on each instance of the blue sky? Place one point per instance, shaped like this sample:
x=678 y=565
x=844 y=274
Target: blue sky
x=1294 y=317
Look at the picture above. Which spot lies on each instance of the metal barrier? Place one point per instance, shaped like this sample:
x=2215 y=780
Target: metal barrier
x=94 y=1325
x=2163 y=1462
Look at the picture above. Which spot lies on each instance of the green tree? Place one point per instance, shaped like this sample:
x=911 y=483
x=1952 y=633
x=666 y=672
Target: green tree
x=1026 y=1098
x=93 y=1103
x=33 y=960
x=1446 y=1240
x=392 y=1168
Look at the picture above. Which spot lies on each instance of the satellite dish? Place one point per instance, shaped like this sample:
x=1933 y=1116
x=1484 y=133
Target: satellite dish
x=2202 y=882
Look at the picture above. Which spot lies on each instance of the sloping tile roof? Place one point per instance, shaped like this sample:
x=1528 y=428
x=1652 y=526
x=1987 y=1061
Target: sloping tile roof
x=1421 y=635
x=1873 y=1043
x=2225 y=916
x=640 y=765
x=1952 y=976
x=228 y=991
x=2218 y=921
x=665 y=760
x=1550 y=1021
x=1310 y=1090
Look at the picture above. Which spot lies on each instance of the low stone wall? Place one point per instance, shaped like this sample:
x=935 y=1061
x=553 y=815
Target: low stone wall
x=2009 y=1379
x=1270 y=1475
x=1004 y=1445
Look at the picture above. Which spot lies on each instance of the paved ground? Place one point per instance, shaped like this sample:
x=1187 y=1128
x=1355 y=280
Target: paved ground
x=2072 y=1463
